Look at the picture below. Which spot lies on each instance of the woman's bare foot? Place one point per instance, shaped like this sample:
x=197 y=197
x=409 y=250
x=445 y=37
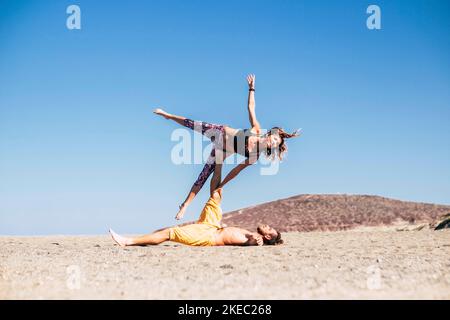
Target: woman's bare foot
x=161 y=112
x=120 y=240
x=180 y=213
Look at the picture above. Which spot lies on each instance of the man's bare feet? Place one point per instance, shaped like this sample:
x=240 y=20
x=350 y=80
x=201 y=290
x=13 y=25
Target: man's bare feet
x=217 y=195
x=180 y=213
x=161 y=112
x=120 y=240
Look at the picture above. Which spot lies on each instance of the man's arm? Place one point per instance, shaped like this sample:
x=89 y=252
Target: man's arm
x=253 y=240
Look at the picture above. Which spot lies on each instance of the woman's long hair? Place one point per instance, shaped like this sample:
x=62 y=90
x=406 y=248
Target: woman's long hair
x=282 y=147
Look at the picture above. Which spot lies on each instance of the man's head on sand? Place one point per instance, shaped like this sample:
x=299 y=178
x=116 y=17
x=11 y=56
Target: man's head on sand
x=270 y=235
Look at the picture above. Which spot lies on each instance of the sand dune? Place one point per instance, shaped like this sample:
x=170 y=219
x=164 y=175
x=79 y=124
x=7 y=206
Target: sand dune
x=375 y=263
x=334 y=212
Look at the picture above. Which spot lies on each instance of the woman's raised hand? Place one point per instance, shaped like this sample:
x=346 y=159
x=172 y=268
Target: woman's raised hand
x=251 y=81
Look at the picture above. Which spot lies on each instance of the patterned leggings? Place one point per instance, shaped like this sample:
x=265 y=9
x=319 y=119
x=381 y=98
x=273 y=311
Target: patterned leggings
x=215 y=133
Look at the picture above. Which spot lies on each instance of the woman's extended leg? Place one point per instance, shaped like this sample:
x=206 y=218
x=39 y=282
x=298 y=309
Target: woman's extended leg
x=198 y=184
x=210 y=130
x=213 y=164
x=168 y=116
x=149 y=239
x=216 y=133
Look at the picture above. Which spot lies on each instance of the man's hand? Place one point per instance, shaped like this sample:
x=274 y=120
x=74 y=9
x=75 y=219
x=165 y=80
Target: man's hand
x=259 y=241
x=253 y=240
x=251 y=81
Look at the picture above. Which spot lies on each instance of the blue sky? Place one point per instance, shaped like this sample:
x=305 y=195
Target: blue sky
x=80 y=150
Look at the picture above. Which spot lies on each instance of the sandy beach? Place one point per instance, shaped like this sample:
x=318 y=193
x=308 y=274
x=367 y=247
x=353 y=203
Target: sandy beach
x=368 y=263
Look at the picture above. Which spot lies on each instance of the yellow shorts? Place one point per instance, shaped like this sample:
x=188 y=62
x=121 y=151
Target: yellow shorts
x=201 y=233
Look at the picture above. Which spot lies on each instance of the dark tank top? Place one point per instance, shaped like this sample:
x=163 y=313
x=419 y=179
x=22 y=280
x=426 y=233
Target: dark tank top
x=241 y=142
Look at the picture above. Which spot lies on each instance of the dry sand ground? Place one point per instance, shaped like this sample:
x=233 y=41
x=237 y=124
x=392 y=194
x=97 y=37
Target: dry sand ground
x=366 y=264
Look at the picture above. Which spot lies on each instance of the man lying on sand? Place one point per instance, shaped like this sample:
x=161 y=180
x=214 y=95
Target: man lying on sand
x=207 y=231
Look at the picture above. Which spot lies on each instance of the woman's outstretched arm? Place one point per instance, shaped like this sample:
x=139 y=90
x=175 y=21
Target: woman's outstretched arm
x=251 y=103
x=235 y=171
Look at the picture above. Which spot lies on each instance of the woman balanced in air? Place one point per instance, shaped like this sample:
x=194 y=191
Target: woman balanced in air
x=227 y=141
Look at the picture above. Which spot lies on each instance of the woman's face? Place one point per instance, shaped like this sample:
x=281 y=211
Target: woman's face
x=273 y=141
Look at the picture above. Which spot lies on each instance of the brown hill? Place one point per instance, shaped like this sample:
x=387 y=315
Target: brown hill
x=333 y=212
